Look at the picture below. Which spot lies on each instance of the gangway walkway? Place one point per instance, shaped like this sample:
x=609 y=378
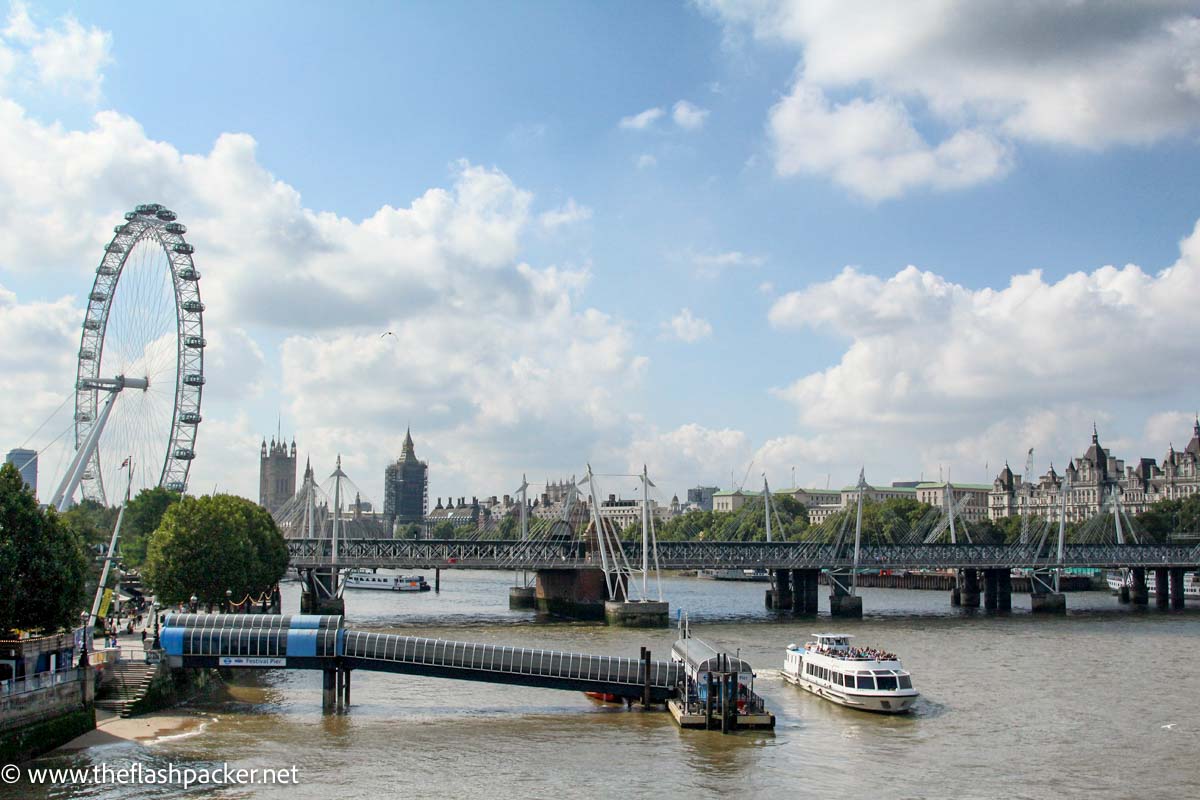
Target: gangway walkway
x=320 y=642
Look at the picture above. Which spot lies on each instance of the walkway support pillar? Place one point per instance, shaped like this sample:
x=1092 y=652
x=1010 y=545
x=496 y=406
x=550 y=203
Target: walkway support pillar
x=1162 y=588
x=346 y=689
x=1138 y=594
x=437 y=579
x=328 y=689
x=1177 y=588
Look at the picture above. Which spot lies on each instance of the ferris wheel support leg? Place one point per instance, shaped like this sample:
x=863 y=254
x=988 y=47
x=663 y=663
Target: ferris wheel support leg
x=66 y=490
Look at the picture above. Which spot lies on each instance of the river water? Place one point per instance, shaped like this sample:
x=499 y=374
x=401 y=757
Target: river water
x=1012 y=706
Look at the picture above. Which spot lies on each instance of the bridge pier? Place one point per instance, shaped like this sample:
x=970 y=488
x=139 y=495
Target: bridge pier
x=779 y=597
x=968 y=589
x=1004 y=590
x=1138 y=594
x=804 y=591
x=643 y=614
x=1162 y=588
x=1048 y=602
x=572 y=593
x=522 y=598
x=991 y=582
x=318 y=592
x=842 y=604
x=1177 y=588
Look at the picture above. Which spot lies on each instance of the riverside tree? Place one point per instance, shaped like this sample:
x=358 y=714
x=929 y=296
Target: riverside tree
x=206 y=546
x=42 y=563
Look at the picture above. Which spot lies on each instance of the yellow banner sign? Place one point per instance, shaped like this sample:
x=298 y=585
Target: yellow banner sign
x=105 y=602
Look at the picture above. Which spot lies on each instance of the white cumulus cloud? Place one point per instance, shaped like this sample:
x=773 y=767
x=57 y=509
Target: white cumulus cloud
x=687 y=327
x=1086 y=75
x=688 y=116
x=569 y=214
x=642 y=120
x=68 y=58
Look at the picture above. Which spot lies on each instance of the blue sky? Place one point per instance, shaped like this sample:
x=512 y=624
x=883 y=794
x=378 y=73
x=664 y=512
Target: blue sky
x=811 y=138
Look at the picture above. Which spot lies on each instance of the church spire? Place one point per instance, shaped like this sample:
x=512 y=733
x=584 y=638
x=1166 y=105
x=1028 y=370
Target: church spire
x=409 y=453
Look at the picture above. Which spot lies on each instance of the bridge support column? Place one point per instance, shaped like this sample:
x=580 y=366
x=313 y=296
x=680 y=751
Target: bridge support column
x=1162 y=588
x=842 y=604
x=779 y=597
x=522 y=598
x=991 y=589
x=968 y=588
x=571 y=593
x=346 y=688
x=1048 y=603
x=318 y=593
x=1177 y=588
x=1138 y=594
x=437 y=580
x=642 y=614
x=804 y=592
x=1004 y=590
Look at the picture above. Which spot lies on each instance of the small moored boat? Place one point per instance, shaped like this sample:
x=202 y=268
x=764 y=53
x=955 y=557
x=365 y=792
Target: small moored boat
x=855 y=677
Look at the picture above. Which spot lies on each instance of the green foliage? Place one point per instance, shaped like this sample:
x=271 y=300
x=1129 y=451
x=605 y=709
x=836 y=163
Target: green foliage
x=142 y=517
x=207 y=545
x=509 y=527
x=889 y=522
x=444 y=530
x=1167 y=517
x=42 y=563
x=747 y=524
x=92 y=521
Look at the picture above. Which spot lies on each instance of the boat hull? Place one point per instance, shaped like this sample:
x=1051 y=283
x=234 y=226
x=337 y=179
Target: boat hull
x=891 y=703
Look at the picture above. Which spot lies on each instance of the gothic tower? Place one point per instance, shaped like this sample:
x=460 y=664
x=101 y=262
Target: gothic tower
x=406 y=487
x=276 y=474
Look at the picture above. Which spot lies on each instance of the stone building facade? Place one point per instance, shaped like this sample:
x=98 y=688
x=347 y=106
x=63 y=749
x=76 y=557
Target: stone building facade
x=276 y=474
x=1093 y=477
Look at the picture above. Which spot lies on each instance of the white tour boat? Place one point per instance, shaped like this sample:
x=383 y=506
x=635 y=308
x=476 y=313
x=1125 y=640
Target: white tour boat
x=357 y=579
x=1118 y=578
x=856 y=677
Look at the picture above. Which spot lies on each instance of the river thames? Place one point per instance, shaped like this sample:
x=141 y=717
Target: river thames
x=1103 y=700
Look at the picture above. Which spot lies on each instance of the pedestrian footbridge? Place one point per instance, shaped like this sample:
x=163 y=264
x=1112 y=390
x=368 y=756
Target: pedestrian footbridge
x=259 y=641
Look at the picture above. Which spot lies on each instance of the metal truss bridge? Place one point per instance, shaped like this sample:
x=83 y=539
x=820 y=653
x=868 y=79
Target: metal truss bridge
x=307 y=554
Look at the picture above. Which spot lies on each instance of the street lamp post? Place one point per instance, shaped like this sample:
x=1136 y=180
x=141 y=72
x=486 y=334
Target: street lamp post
x=229 y=601
x=83 y=651
x=154 y=611
x=195 y=603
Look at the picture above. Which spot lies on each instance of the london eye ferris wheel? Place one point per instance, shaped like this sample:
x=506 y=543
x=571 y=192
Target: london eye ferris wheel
x=142 y=341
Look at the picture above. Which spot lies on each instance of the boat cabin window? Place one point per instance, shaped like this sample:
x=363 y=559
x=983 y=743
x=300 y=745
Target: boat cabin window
x=865 y=681
x=905 y=682
x=887 y=682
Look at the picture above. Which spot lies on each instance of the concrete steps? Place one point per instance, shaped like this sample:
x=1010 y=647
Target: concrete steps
x=126 y=684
